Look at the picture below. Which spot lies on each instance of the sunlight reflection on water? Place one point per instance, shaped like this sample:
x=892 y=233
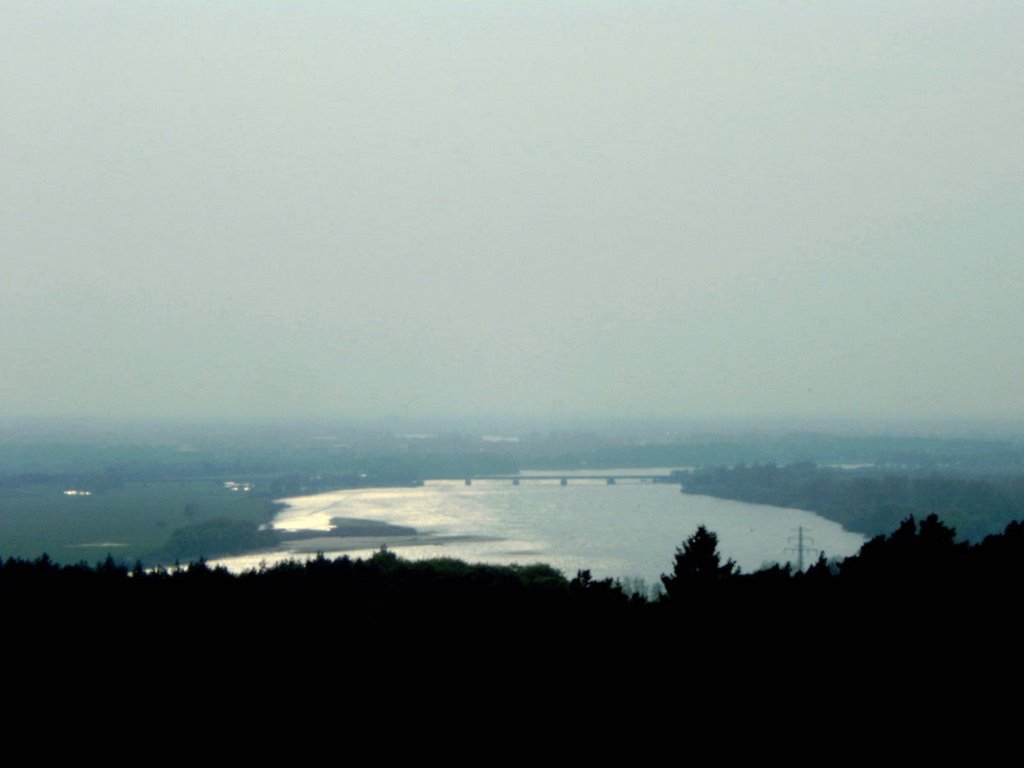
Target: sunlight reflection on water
x=627 y=529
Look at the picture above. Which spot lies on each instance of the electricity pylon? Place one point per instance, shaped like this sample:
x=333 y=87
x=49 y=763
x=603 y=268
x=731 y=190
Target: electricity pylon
x=801 y=547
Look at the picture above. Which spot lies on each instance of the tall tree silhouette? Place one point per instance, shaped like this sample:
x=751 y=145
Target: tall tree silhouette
x=697 y=563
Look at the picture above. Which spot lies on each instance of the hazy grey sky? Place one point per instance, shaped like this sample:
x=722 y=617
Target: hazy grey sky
x=684 y=209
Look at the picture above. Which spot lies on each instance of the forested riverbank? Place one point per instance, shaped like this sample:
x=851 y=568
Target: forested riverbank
x=871 y=501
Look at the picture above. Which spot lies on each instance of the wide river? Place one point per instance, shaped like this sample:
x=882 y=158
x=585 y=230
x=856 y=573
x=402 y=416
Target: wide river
x=630 y=529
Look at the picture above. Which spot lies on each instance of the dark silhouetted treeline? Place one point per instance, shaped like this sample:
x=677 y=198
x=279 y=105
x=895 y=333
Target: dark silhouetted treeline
x=918 y=578
x=871 y=502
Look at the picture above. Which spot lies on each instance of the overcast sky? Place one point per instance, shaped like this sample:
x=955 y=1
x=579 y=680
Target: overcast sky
x=362 y=210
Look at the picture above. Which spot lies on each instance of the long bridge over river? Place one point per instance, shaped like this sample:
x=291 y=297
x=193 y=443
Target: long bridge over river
x=564 y=479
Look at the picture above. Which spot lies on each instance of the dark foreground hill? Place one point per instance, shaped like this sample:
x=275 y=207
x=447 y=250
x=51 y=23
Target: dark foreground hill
x=916 y=587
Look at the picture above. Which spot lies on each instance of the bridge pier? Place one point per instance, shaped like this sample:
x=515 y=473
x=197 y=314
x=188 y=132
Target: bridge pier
x=565 y=481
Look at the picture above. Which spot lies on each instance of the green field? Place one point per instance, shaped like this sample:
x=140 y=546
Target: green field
x=131 y=521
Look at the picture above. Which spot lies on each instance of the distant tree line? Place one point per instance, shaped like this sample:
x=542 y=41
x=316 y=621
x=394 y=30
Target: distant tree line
x=913 y=454
x=871 y=502
x=307 y=464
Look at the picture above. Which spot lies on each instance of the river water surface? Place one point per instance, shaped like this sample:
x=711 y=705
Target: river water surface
x=630 y=529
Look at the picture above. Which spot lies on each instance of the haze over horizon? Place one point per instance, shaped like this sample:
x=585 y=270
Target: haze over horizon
x=603 y=211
